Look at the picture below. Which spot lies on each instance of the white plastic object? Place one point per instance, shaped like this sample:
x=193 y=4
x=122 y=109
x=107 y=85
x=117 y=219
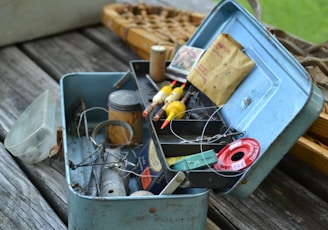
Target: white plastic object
x=34 y=132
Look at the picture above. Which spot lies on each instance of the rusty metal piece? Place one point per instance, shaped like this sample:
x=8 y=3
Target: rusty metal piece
x=58 y=148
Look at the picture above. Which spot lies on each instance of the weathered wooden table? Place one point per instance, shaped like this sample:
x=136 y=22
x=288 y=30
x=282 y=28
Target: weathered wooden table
x=293 y=196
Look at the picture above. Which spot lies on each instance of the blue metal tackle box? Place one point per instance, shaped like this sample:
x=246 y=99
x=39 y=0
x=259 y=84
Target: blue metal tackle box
x=275 y=104
x=86 y=210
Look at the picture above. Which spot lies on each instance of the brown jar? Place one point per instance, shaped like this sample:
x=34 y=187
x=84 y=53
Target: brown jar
x=157 y=63
x=124 y=105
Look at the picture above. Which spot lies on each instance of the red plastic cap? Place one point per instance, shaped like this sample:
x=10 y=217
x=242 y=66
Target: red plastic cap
x=145 y=113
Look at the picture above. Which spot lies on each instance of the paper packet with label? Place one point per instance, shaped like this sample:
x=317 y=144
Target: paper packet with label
x=221 y=69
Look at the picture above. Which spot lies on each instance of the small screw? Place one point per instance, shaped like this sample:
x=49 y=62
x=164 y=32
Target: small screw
x=246 y=102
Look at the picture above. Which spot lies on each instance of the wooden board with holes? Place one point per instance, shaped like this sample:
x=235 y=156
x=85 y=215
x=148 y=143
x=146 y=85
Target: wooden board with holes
x=143 y=26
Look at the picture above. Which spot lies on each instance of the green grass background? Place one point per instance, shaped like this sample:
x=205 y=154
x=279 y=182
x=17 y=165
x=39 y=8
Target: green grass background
x=307 y=19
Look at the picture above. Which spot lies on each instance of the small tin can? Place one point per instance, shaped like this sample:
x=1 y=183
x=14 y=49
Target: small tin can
x=157 y=63
x=124 y=105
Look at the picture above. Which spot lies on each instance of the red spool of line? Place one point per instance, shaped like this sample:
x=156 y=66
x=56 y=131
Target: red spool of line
x=238 y=155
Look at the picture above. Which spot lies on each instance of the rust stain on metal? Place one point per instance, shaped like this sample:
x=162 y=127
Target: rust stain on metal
x=244 y=181
x=152 y=210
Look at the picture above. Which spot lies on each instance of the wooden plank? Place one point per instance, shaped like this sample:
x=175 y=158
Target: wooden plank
x=21 y=82
x=210 y=225
x=279 y=203
x=304 y=174
x=72 y=52
x=110 y=42
x=50 y=179
x=22 y=206
x=312 y=147
x=320 y=127
x=312 y=153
